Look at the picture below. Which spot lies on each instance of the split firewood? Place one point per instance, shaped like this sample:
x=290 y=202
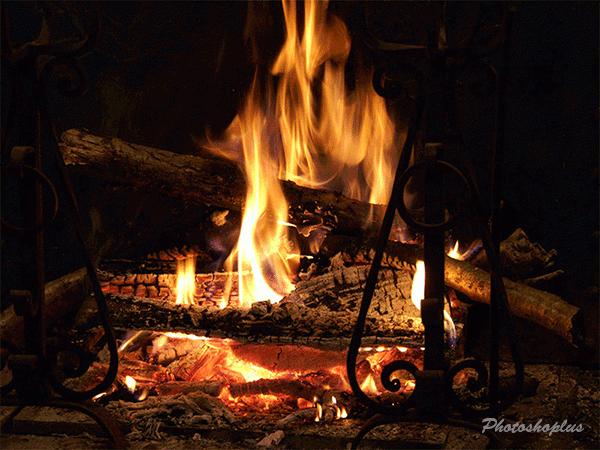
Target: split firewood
x=543 y=308
x=143 y=372
x=169 y=353
x=208 y=180
x=519 y=257
x=62 y=296
x=199 y=363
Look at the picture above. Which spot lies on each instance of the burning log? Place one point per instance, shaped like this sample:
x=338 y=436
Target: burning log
x=190 y=387
x=209 y=180
x=298 y=416
x=307 y=312
x=291 y=387
x=543 y=308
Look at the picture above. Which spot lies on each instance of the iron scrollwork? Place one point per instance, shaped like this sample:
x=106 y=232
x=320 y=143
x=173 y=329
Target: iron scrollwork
x=479 y=395
x=33 y=65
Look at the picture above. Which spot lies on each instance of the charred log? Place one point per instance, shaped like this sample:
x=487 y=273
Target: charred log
x=208 y=180
x=544 y=308
x=520 y=258
x=293 y=388
x=308 y=312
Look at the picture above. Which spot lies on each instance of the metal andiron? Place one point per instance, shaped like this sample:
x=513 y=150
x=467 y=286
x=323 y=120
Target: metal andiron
x=417 y=70
x=30 y=147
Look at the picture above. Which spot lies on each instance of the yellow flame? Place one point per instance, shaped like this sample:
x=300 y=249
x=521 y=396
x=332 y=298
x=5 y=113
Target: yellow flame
x=191 y=337
x=309 y=129
x=417 y=292
x=455 y=254
x=186 y=280
x=261 y=250
x=319 y=414
x=130 y=383
x=344 y=413
x=331 y=137
x=368 y=386
x=129 y=340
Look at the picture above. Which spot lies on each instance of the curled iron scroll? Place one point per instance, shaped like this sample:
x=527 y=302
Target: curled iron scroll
x=403 y=211
x=45 y=181
x=64 y=54
x=55 y=376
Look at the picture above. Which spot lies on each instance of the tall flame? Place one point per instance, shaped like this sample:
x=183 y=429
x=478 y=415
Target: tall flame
x=331 y=138
x=262 y=258
x=307 y=128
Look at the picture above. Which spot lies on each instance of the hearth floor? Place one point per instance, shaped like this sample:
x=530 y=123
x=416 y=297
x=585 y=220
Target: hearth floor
x=564 y=393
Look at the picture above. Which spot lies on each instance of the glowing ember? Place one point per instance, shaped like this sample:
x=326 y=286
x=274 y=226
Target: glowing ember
x=254 y=379
x=186 y=280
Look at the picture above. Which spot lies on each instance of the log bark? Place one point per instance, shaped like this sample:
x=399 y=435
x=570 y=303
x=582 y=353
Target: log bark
x=62 y=296
x=308 y=312
x=543 y=308
x=209 y=180
x=520 y=258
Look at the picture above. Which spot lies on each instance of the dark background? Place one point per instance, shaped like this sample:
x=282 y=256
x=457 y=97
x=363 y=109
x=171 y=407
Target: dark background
x=162 y=72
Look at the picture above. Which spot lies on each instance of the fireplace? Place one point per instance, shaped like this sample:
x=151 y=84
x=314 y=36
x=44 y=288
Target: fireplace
x=237 y=248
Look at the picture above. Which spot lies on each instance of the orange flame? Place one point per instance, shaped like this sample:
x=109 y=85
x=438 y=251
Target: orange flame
x=368 y=386
x=417 y=294
x=308 y=129
x=455 y=254
x=186 y=280
x=331 y=138
x=261 y=251
x=130 y=383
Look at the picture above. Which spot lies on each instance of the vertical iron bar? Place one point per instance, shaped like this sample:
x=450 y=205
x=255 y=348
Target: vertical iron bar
x=40 y=283
x=434 y=265
x=496 y=219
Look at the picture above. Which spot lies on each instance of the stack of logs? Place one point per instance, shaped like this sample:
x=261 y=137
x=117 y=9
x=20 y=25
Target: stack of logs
x=321 y=307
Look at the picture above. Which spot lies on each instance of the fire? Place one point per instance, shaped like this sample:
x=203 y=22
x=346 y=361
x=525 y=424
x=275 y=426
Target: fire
x=186 y=280
x=368 y=386
x=264 y=269
x=331 y=137
x=130 y=383
x=307 y=128
x=455 y=254
x=417 y=294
